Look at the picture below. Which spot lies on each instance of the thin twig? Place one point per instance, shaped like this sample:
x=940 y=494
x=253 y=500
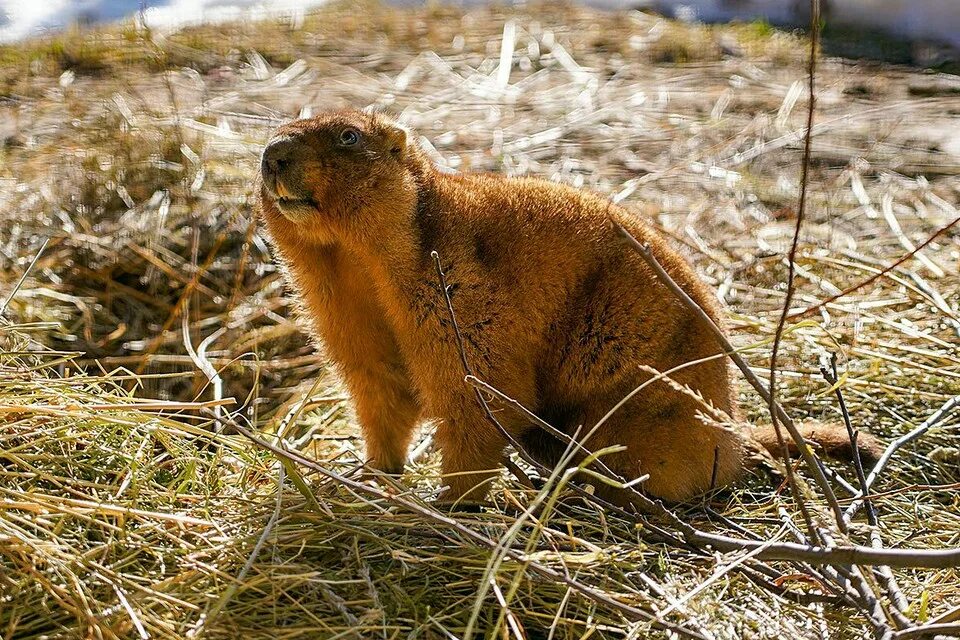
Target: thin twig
x=942 y=230
x=925 y=631
x=895 y=446
x=468 y=372
x=806 y=452
x=791 y=273
x=833 y=380
x=23 y=277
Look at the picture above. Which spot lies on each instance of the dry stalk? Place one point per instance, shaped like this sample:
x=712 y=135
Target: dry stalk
x=876 y=276
x=806 y=453
x=629 y=612
x=791 y=272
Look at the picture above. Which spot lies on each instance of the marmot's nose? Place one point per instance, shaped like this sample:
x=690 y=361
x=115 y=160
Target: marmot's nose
x=277 y=154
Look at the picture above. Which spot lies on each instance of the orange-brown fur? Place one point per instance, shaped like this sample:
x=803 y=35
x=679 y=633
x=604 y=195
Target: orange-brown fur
x=555 y=310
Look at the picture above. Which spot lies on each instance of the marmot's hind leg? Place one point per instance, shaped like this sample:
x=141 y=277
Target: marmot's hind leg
x=684 y=455
x=472 y=451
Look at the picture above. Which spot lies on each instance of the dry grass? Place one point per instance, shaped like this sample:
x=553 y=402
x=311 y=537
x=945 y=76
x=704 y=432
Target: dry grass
x=121 y=521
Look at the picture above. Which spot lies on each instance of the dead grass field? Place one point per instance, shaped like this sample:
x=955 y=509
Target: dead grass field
x=126 y=512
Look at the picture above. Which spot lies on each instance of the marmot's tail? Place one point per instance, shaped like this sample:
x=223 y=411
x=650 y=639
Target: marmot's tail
x=831 y=439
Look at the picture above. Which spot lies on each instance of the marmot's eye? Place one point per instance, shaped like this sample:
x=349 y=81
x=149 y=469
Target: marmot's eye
x=349 y=137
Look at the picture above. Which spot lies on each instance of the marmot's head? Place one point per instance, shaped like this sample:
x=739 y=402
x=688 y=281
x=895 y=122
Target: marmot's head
x=328 y=170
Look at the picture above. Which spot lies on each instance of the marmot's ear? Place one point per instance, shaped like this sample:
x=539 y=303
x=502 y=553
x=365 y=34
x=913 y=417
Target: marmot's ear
x=397 y=138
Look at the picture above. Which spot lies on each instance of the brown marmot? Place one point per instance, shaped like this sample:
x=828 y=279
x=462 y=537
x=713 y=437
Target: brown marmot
x=555 y=310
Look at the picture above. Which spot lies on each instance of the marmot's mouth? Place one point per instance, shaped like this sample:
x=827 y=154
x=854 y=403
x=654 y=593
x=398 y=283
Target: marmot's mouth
x=295 y=202
x=296 y=209
x=283 y=195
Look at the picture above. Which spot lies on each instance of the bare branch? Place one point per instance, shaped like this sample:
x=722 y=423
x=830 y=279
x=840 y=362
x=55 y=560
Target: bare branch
x=945 y=409
x=791 y=273
x=925 y=631
x=942 y=230
x=806 y=453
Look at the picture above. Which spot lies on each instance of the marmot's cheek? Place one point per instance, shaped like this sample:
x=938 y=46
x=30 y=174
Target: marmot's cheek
x=322 y=197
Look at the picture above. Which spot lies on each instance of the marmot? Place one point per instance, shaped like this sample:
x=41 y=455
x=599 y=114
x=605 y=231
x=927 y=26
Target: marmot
x=554 y=308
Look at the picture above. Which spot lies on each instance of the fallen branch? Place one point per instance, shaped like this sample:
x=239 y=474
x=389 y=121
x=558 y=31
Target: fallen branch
x=816 y=555
x=945 y=630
